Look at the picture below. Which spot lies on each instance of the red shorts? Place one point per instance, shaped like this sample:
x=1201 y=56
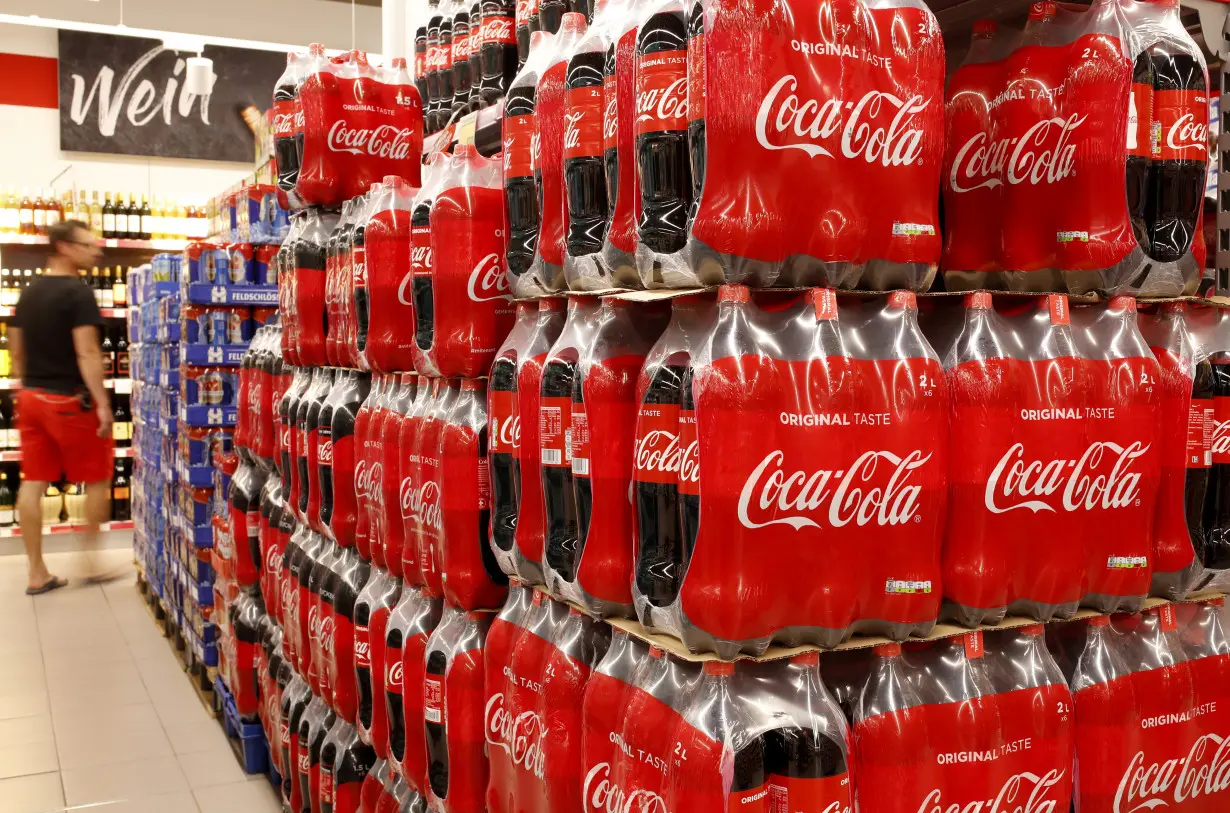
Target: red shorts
x=59 y=437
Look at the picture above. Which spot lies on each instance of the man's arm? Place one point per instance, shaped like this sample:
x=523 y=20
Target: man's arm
x=89 y=361
x=17 y=353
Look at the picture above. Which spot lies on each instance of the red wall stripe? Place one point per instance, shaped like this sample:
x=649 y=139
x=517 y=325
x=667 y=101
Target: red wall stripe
x=29 y=81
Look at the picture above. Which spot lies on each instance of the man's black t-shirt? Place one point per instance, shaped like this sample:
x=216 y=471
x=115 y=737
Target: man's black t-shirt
x=47 y=313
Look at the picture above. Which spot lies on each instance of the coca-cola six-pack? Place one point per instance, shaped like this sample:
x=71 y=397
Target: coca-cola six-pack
x=527 y=551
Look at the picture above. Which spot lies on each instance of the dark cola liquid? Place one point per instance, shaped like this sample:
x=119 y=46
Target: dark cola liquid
x=498 y=59
x=310 y=260
x=502 y=465
x=484 y=521
x=316 y=746
x=324 y=468
x=521 y=196
x=437 y=736
x=294 y=704
x=395 y=640
x=1176 y=187
x=444 y=105
x=551 y=15
x=420 y=58
x=1138 y=165
x=689 y=504
x=657 y=511
x=559 y=502
x=284 y=149
x=362 y=307
x=1215 y=552
x=461 y=67
x=749 y=769
x=363 y=673
x=662 y=156
x=582 y=489
x=424 y=314
x=431 y=102
x=1197 y=485
x=696 y=126
x=474 y=101
x=802 y=753
x=585 y=176
x=611 y=156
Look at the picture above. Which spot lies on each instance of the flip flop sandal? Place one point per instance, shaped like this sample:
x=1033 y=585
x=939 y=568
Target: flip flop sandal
x=54 y=583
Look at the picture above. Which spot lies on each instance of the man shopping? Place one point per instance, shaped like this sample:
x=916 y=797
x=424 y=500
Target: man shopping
x=63 y=410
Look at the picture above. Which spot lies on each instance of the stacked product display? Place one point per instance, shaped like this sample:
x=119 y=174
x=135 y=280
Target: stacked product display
x=755 y=541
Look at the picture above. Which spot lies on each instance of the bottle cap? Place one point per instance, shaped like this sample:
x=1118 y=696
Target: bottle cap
x=656 y=652
x=399 y=62
x=806 y=659
x=1099 y=621
x=734 y=293
x=551 y=303
x=572 y=23
x=903 y=299
x=888 y=650
x=978 y=299
x=465 y=152
x=1033 y=629
x=1122 y=303
x=985 y=28
x=718 y=667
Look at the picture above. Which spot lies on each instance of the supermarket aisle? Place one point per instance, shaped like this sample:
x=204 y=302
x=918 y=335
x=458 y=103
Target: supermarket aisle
x=96 y=713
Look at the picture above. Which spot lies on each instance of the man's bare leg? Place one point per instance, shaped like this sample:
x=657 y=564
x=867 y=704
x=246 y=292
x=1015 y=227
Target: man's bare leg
x=30 y=517
x=97 y=509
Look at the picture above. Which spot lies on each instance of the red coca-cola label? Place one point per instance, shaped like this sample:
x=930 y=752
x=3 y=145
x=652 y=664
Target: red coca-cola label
x=524 y=10
x=1180 y=126
x=555 y=431
x=1034 y=471
x=467 y=582
x=580 y=441
x=1033 y=164
x=662 y=92
x=583 y=118
x=997 y=752
x=1221 y=429
x=461 y=49
x=610 y=113
x=547 y=160
x=657 y=453
x=689 y=456
x=433 y=698
x=420 y=64
x=1199 y=434
x=1140 y=113
x=518 y=141
x=505 y=435
x=499 y=29
x=696 y=77
x=832 y=469
x=788 y=794
x=284 y=119
x=362 y=648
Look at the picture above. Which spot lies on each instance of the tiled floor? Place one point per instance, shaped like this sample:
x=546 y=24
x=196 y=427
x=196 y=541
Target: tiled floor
x=96 y=714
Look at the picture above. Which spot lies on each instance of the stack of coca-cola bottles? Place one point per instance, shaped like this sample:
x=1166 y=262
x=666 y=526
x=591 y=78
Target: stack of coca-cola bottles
x=342 y=124
x=465 y=55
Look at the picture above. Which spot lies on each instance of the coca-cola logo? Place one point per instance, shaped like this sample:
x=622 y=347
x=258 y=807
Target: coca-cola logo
x=358 y=273
x=1204 y=771
x=314 y=623
x=520 y=737
x=604 y=796
x=787 y=122
x=664 y=104
x=406 y=498
x=610 y=117
x=326 y=453
x=1221 y=437
x=497 y=29
x=689 y=463
x=425 y=504
x=283 y=124
x=1044 y=154
x=658 y=450
x=394 y=677
x=1023 y=793
x=874 y=489
x=572 y=135
x=326 y=634
x=535 y=147
x=273 y=562
x=300 y=119
x=1188 y=133
x=367 y=478
x=508 y=431
x=385 y=141
x=1085 y=483
x=487 y=281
